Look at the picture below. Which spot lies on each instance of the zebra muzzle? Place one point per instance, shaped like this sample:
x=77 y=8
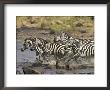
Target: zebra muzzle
x=22 y=49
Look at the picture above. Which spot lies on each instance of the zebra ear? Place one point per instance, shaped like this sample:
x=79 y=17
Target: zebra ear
x=47 y=41
x=34 y=39
x=62 y=31
x=25 y=39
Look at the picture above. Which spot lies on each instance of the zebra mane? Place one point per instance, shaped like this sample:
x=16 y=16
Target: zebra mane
x=45 y=41
x=31 y=39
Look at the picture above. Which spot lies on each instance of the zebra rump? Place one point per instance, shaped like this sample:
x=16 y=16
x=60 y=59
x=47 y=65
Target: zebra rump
x=87 y=49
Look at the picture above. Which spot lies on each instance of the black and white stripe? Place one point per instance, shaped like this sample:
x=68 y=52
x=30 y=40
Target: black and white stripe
x=30 y=43
x=41 y=42
x=85 y=52
x=39 y=53
x=87 y=49
x=66 y=39
x=84 y=41
x=58 y=50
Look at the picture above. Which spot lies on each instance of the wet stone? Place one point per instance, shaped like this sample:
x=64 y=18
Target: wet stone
x=28 y=70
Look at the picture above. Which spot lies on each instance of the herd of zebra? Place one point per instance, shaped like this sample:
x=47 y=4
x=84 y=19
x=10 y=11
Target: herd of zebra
x=62 y=47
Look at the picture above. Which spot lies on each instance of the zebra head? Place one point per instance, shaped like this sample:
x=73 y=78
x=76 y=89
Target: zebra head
x=57 y=39
x=28 y=43
x=62 y=38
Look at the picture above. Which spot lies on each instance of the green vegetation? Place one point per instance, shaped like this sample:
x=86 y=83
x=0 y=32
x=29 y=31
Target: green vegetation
x=57 y=23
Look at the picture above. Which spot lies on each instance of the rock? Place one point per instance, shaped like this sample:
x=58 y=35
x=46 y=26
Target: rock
x=60 y=72
x=28 y=70
x=48 y=67
x=37 y=64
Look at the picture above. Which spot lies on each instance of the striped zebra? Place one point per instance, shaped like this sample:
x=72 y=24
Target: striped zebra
x=35 y=44
x=31 y=42
x=59 y=51
x=85 y=51
x=76 y=43
x=39 y=53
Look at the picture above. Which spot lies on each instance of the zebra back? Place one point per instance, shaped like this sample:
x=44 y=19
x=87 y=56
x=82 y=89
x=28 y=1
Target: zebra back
x=58 y=50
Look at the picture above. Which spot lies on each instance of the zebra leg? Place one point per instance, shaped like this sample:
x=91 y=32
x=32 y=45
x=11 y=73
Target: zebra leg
x=40 y=57
x=57 y=66
x=75 y=57
x=67 y=66
x=38 y=60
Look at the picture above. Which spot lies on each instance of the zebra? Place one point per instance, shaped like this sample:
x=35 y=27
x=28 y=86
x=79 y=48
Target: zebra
x=58 y=50
x=35 y=44
x=66 y=39
x=31 y=43
x=85 y=51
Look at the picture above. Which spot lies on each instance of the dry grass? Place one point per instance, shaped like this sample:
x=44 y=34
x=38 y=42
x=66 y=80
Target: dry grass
x=57 y=23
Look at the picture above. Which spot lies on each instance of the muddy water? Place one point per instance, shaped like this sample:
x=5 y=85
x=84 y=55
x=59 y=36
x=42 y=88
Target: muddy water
x=29 y=57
